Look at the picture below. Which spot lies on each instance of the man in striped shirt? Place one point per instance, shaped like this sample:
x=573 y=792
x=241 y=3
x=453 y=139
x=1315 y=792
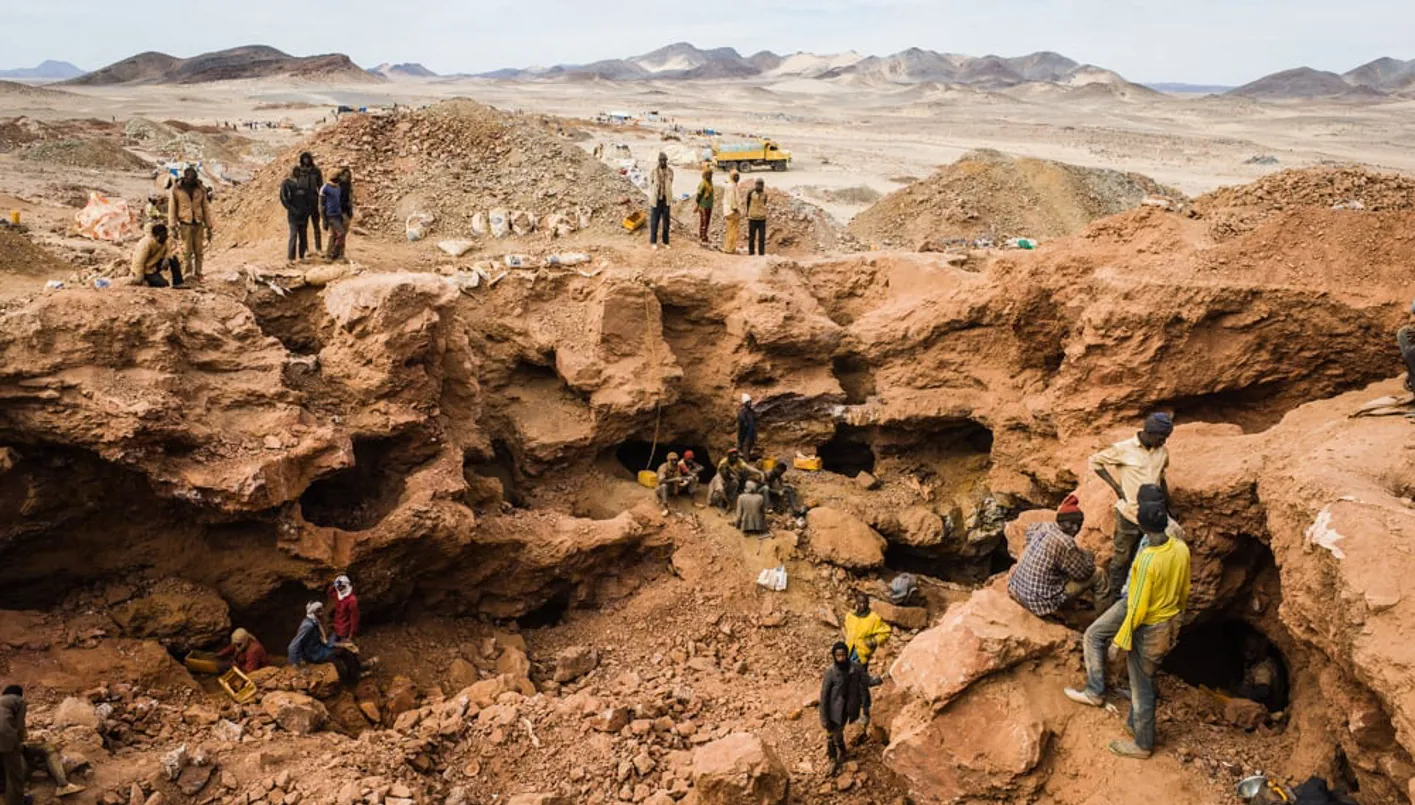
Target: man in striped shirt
x=1144 y=623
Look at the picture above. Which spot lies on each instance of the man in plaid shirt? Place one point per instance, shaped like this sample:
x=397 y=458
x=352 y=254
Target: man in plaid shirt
x=1053 y=569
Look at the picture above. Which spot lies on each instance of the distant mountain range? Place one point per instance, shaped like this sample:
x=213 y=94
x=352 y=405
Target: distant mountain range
x=683 y=61
x=46 y=71
x=253 y=61
x=1380 y=78
x=411 y=70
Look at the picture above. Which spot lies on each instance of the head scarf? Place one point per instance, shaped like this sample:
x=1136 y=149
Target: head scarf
x=840 y=646
x=240 y=637
x=313 y=609
x=751 y=487
x=343 y=587
x=746 y=399
x=1159 y=424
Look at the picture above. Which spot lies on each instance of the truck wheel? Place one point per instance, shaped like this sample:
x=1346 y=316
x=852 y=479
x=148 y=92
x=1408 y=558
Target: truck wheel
x=744 y=167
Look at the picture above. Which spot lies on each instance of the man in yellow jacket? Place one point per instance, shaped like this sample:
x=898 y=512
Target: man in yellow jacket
x=1145 y=623
x=151 y=257
x=189 y=217
x=865 y=632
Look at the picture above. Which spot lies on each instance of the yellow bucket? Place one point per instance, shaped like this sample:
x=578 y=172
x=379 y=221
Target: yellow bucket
x=202 y=662
x=15 y=217
x=812 y=464
x=635 y=220
x=648 y=478
x=768 y=464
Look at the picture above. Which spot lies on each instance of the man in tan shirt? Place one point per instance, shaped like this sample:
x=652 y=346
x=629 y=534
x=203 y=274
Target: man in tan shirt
x=732 y=209
x=189 y=216
x=151 y=256
x=1125 y=467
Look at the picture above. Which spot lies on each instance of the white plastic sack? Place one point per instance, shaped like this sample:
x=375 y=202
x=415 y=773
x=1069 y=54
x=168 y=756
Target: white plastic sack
x=456 y=248
x=567 y=259
x=773 y=578
x=500 y=221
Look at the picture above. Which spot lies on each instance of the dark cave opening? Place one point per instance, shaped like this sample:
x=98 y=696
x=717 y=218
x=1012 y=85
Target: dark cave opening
x=1231 y=656
x=501 y=470
x=1253 y=408
x=636 y=455
x=902 y=558
x=297 y=320
x=359 y=497
x=551 y=613
x=848 y=452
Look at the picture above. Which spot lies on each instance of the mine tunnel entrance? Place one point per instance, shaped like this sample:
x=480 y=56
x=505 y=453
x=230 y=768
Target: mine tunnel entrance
x=1231 y=657
x=636 y=455
x=848 y=452
x=855 y=377
x=359 y=497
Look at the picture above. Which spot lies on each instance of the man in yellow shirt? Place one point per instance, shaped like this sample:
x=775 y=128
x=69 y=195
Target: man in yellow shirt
x=1125 y=467
x=151 y=256
x=1145 y=623
x=865 y=631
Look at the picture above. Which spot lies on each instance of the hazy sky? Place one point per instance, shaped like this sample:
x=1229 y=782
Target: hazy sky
x=1201 y=41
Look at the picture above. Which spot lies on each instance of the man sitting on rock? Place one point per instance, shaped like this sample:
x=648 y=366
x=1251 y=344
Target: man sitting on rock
x=1148 y=626
x=842 y=694
x=674 y=481
x=751 y=509
x=865 y=632
x=1053 y=570
x=245 y=652
x=1125 y=467
x=313 y=644
x=152 y=256
x=781 y=496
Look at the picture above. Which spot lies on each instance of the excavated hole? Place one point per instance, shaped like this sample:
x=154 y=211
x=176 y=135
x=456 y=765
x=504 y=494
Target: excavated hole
x=1217 y=654
x=551 y=613
x=848 y=452
x=636 y=455
x=298 y=320
x=855 y=376
x=1254 y=408
x=359 y=497
x=501 y=469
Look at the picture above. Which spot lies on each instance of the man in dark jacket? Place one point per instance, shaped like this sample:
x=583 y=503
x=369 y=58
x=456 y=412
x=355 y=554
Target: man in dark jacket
x=12 y=743
x=841 y=694
x=311 y=180
x=297 y=216
x=746 y=428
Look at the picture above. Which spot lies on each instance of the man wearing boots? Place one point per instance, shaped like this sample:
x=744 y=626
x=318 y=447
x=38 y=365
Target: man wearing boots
x=842 y=691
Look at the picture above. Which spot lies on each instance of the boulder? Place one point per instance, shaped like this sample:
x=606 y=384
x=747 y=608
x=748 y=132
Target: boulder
x=920 y=527
x=295 y=712
x=1006 y=739
x=178 y=614
x=903 y=617
x=739 y=769
x=483 y=694
x=73 y=712
x=987 y=633
x=461 y=674
x=573 y=663
x=841 y=539
x=514 y=662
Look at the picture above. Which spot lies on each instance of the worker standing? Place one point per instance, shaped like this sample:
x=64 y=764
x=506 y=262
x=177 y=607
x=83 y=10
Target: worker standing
x=756 y=218
x=311 y=179
x=332 y=208
x=345 y=609
x=746 y=428
x=732 y=210
x=842 y=692
x=1126 y=466
x=865 y=632
x=189 y=215
x=705 y=199
x=660 y=193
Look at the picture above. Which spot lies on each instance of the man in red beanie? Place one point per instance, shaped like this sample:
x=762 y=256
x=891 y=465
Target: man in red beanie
x=1053 y=570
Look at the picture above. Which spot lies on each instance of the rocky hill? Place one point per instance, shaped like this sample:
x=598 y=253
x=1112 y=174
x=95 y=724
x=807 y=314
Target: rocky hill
x=1385 y=74
x=48 y=70
x=408 y=70
x=255 y=61
x=682 y=61
x=1298 y=83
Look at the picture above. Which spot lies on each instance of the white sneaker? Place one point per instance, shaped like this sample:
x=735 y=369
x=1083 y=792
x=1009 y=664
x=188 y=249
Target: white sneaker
x=1084 y=697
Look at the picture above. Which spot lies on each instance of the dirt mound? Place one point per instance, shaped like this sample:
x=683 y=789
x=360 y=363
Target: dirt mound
x=453 y=160
x=989 y=194
x=20 y=255
x=176 y=140
x=95 y=154
x=1235 y=210
x=14 y=89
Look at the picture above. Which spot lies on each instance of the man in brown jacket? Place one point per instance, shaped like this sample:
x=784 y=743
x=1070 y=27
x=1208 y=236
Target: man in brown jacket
x=151 y=256
x=189 y=215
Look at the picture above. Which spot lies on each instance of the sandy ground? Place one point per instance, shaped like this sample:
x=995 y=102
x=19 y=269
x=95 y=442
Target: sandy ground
x=840 y=137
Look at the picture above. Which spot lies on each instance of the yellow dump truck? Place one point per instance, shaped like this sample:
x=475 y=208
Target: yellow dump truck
x=748 y=155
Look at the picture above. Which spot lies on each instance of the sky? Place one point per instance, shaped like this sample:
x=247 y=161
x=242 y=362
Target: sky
x=1197 y=41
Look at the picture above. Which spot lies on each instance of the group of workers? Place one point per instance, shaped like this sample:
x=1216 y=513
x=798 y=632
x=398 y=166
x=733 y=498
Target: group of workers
x=314 y=642
x=309 y=201
x=737 y=486
x=1141 y=599
x=735 y=204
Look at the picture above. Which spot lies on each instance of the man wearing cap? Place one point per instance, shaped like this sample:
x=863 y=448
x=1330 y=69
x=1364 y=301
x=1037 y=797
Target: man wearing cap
x=673 y=481
x=1406 y=339
x=746 y=427
x=1053 y=570
x=1145 y=622
x=1125 y=467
